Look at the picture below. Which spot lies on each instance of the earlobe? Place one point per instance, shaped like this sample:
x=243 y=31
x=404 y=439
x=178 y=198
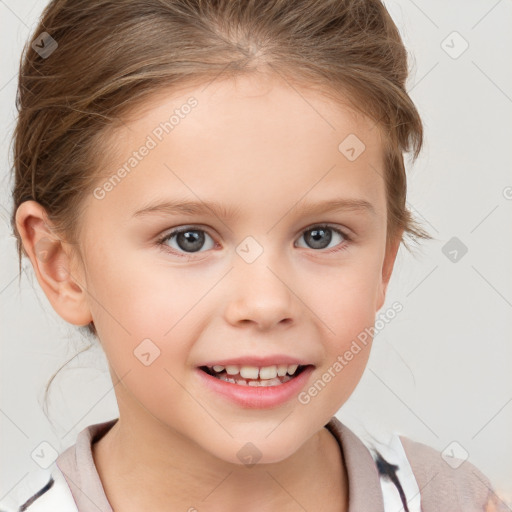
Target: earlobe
x=57 y=273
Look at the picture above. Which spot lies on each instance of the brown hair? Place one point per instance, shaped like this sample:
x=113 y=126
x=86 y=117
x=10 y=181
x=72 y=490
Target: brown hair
x=113 y=55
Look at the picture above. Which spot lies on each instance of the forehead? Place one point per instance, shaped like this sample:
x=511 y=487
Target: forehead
x=239 y=102
x=250 y=135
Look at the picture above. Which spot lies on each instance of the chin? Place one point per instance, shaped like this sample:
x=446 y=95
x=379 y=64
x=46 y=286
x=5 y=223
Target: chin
x=257 y=452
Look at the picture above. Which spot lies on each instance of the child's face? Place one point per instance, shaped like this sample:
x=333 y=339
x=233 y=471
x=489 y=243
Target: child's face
x=259 y=283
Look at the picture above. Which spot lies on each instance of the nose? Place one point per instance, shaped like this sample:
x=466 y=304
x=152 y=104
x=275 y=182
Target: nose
x=260 y=295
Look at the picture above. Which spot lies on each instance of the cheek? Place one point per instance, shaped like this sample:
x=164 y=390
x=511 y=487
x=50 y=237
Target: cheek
x=140 y=321
x=145 y=298
x=345 y=302
x=146 y=314
x=344 y=298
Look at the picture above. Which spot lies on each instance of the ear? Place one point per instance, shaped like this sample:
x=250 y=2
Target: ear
x=387 y=268
x=55 y=264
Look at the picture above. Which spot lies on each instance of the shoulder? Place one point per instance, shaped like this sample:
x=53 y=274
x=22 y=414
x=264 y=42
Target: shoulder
x=48 y=490
x=416 y=477
x=448 y=481
x=43 y=490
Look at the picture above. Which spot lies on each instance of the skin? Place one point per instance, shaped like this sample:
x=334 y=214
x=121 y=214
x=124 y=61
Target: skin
x=263 y=148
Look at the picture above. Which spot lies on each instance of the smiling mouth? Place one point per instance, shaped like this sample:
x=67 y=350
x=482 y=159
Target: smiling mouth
x=254 y=376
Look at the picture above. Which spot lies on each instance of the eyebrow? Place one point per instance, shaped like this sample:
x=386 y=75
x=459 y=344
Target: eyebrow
x=185 y=207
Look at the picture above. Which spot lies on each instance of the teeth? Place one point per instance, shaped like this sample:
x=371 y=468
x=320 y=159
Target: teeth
x=265 y=383
x=282 y=369
x=249 y=372
x=292 y=368
x=256 y=383
x=268 y=372
x=253 y=372
x=232 y=370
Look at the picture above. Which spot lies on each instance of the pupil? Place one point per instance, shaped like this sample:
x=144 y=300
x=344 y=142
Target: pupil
x=193 y=237
x=316 y=236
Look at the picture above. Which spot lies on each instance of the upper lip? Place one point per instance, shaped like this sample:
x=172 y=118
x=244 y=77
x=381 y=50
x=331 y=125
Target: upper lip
x=259 y=361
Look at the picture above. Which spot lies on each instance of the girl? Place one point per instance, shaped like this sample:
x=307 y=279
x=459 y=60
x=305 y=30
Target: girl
x=253 y=132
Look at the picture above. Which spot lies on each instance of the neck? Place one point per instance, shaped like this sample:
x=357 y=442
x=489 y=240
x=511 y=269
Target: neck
x=179 y=475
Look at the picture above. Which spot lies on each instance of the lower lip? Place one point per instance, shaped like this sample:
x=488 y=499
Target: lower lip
x=257 y=397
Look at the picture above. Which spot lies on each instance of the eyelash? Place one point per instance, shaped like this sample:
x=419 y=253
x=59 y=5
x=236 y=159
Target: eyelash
x=340 y=247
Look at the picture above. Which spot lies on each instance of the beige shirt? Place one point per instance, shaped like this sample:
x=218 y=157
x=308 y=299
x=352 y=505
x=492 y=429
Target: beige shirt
x=442 y=487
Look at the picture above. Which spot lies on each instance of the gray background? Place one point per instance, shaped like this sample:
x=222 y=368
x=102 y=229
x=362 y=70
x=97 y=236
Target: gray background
x=440 y=372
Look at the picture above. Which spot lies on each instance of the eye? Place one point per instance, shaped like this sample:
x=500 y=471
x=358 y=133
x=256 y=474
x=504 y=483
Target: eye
x=188 y=239
x=320 y=236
